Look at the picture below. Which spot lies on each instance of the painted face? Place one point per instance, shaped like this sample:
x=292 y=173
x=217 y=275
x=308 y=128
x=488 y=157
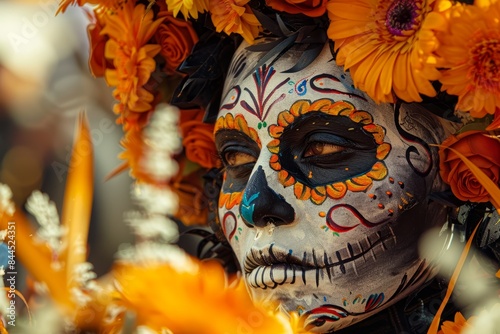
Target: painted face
x=325 y=193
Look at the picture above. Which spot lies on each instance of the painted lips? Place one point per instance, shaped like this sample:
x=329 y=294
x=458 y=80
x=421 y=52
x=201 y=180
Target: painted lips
x=273 y=266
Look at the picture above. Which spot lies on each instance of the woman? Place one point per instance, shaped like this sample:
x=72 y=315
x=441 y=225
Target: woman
x=325 y=193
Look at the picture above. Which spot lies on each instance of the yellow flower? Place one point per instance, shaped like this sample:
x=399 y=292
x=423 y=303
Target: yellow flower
x=194 y=299
x=188 y=8
x=129 y=29
x=234 y=16
x=470 y=52
x=386 y=45
x=456 y=327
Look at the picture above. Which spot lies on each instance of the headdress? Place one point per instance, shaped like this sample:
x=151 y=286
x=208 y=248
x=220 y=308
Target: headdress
x=442 y=54
x=399 y=51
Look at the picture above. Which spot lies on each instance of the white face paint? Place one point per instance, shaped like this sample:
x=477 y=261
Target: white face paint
x=325 y=193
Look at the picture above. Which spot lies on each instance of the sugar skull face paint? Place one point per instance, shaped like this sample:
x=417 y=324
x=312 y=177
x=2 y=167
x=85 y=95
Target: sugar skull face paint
x=325 y=193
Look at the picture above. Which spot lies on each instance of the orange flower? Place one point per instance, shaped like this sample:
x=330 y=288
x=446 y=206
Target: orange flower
x=64 y=4
x=483 y=151
x=192 y=299
x=234 y=16
x=188 y=8
x=198 y=139
x=97 y=60
x=386 y=45
x=134 y=147
x=470 y=50
x=456 y=327
x=495 y=124
x=129 y=29
x=176 y=39
x=188 y=185
x=313 y=8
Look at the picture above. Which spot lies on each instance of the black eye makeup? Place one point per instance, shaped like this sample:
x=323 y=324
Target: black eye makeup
x=238 y=153
x=323 y=143
x=320 y=149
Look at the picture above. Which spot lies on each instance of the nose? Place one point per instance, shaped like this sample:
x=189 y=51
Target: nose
x=262 y=205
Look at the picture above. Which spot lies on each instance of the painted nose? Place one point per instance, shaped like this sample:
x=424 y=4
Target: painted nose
x=261 y=205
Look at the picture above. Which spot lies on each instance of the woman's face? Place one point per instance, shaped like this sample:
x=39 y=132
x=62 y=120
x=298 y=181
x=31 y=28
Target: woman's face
x=325 y=193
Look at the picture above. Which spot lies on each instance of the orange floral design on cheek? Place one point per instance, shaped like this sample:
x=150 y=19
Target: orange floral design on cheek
x=334 y=190
x=230 y=122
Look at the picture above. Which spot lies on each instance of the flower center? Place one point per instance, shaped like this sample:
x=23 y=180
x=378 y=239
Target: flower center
x=401 y=16
x=486 y=60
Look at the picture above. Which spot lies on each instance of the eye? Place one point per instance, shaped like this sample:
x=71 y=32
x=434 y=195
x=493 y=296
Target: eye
x=318 y=148
x=237 y=158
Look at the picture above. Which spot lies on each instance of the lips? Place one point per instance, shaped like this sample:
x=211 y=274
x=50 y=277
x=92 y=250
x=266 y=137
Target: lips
x=273 y=266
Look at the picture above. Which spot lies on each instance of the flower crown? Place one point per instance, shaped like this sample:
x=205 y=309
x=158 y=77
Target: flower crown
x=440 y=53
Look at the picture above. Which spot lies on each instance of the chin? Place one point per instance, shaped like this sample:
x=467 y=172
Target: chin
x=327 y=303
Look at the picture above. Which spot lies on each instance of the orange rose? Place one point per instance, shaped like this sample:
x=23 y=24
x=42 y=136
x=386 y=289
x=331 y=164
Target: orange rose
x=483 y=151
x=97 y=61
x=198 y=139
x=193 y=207
x=176 y=38
x=312 y=8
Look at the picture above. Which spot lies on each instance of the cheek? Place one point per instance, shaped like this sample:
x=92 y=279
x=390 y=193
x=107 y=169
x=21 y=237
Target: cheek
x=229 y=224
x=380 y=204
x=234 y=229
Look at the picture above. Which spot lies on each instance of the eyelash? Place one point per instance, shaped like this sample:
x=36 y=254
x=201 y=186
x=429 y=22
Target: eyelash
x=233 y=151
x=325 y=145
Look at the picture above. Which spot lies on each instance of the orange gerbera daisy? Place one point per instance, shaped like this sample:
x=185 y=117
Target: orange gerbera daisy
x=234 y=16
x=470 y=51
x=386 y=45
x=188 y=8
x=335 y=190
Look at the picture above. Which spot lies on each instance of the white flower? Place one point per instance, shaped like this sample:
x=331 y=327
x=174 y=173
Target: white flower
x=153 y=226
x=83 y=274
x=6 y=205
x=155 y=200
x=79 y=297
x=152 y=253
x=160 y=165
x=45 y=212
x=163 y=139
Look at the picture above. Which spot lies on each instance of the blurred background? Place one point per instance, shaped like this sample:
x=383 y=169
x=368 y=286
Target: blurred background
x=44 y=83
